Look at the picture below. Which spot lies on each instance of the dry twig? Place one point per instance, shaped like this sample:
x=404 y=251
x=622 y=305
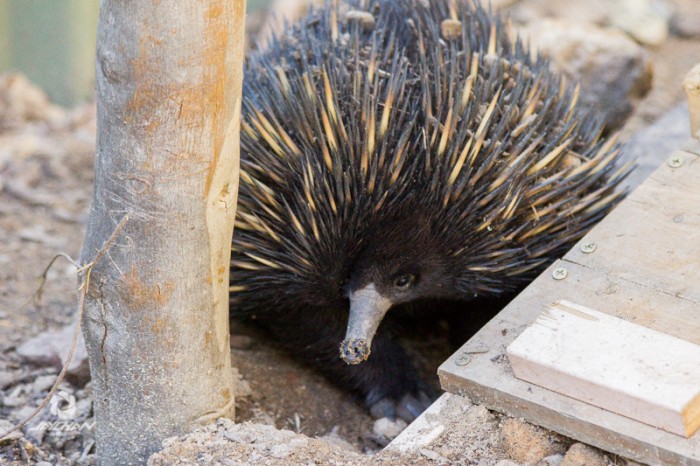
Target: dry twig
x=85 y=270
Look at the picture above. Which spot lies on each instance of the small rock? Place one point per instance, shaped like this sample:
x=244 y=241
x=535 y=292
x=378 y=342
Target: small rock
x=614 y=72
x=583 y=455
x=650 y=146
x=5 y=426
x=526 y=443
x=241 y=387
x=334 y=438
x=238 y=435
x=22 y=101
x=507 y=463
x=38 y=234
x=686 y=23
x=23 y=413
x=205 y=458
x=553 y=460
x=430 y=454
x=43 y=382
x=590 y=11
x=280 y=451
x=478 y=414
x=283 y=450
x=7 y=378
x=241 y=342
x=385 y=427
x=83 y=408
x=17 y=397
x=52 y=348
x=647 y=21
x=433 y=456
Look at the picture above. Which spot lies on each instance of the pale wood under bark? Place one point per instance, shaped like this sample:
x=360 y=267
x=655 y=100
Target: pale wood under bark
x=168 y=77
x=691 y=84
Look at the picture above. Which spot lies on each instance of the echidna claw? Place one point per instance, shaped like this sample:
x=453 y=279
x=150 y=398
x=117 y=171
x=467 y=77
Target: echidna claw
x=410 y=407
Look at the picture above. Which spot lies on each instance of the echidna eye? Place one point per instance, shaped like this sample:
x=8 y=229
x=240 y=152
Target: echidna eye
x=404 y=281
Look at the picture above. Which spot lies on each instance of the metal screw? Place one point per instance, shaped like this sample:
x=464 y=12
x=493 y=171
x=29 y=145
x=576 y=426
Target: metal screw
x=464 y=359
x=559 y=273
x=588 y=247
x=675 y=162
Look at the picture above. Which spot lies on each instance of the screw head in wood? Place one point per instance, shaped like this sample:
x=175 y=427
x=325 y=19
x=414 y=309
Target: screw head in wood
x=463 y=359
x=675 y=162
x=559 y=273
x=588 y=247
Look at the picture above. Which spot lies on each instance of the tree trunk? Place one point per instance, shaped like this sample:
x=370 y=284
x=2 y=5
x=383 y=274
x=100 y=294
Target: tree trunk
x=168 y=79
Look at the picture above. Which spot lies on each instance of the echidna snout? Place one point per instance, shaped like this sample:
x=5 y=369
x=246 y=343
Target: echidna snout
x=367 y=309
x=354 y=351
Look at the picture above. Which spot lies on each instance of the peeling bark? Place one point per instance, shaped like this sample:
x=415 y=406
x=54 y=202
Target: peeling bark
x=168 y=79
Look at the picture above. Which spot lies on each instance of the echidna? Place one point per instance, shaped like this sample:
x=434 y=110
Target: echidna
x=395 y=150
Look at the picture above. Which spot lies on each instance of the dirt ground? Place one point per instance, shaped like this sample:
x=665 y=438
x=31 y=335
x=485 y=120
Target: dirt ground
x=46 y=176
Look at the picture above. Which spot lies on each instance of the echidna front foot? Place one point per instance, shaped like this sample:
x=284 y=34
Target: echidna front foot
x=407 y=408
x=386 y=381
x=391 y=385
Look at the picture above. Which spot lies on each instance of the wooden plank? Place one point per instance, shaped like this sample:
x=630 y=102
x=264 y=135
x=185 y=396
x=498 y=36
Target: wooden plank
x=653 y=238
x=644 y=269
x=481 y=372
x=608 y=362
x=651 y=147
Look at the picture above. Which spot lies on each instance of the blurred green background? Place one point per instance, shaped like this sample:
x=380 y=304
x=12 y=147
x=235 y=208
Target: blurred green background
x=53 y=43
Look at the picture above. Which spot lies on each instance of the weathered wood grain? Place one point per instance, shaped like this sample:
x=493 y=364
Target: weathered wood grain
x=641 y=264
x=608 y=362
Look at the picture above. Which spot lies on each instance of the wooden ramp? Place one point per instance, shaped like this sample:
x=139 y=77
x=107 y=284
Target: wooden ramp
x=642 y=265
